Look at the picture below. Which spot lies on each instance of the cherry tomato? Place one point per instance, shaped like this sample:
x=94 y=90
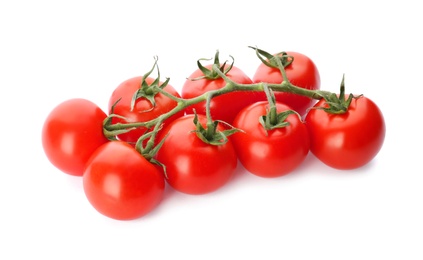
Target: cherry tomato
x=193 y=166
x=143 y=110
x=120 y=183
x=71 y=133
x=224 y=107
x=349 y=140
x=302 y=72
x=269 y=153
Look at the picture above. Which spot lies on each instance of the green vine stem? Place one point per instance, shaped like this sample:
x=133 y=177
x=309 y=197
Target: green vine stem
x=273 y=119
x=111 y=130
x=229 y=87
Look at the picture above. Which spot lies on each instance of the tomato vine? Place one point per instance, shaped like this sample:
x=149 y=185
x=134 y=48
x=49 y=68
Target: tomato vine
x=281 y=60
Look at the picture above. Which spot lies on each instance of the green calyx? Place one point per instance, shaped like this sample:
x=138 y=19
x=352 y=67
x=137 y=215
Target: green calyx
x=210 y=73
x=273 y=61
x=149 y=91
x=146 y=146
x=337 y=104
x=273 y=119
x=111 y=130
x=210 y=134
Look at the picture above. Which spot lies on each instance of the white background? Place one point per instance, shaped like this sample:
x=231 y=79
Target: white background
x=51 y=51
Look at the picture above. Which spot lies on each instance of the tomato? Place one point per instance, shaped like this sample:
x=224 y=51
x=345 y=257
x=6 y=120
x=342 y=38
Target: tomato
x=349 y=140
x=193 y=166
x=143 y=110
x=224 y=107
x=269 y=153
x=120 y=183
x=71 y=133
x=302 y=72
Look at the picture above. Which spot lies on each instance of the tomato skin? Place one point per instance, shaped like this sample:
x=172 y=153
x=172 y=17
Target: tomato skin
x=72 y=131
x=120 y=183
x=143 y=110
x=192 y=166
x=302 y=72
x=350 y=140
x=272 y=154
x=224 y=107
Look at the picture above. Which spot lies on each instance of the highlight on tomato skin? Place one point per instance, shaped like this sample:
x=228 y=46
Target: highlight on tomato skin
x=120 y=183
x=72 y=131
x=350 y=140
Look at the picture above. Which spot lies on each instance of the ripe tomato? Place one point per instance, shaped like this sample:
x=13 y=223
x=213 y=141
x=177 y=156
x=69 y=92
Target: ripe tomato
x=193 y=166
x=143 y=109
x=71 y=133
x=302 y=72
x=349 y=140
x=269 y=153
x=224 y=107
x=120 y=183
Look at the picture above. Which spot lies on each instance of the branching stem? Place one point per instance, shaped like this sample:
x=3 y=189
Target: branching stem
x=155 y=124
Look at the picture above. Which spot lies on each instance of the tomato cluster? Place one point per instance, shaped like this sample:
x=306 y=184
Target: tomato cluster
x=152 y=135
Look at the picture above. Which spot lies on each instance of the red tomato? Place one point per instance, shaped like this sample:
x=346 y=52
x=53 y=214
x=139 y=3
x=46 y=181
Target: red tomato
x=302 y=72
x=193 y=166
x=120 y=183
x=274 y=152
x=349 y=140
x=143 y=109
x=224 y=107
x=71 y=133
